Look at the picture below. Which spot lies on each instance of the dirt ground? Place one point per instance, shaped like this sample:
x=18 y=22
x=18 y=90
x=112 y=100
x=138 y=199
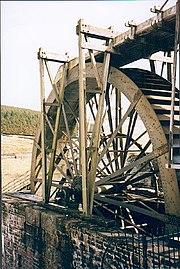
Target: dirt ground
x=16 y=154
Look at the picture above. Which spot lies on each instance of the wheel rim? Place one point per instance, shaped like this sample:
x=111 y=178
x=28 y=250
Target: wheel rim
x=118 y=183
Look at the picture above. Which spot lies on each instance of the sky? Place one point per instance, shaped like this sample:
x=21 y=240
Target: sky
x=28 y=25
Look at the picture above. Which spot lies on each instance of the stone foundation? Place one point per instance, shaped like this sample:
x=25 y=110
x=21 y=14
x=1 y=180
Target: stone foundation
x=36 y=237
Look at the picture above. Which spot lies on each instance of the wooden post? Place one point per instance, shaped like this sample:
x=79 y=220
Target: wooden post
x=43 y=132
x=82 y=120
x=96 y=132
x=176 y=41
x=55 y=135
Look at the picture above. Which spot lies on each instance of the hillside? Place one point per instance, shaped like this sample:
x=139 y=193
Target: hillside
x=18 y=121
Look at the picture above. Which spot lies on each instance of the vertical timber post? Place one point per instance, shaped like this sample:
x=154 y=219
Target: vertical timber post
x=176 y=41
x=43 y=132
x=88 y=161
x=47 y=171
x=82 y=120
x=169 y=71
x=97 y=130
x=55 y=135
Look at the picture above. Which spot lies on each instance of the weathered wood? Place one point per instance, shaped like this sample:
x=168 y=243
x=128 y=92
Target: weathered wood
x=96 y=32
x=97 y=130
x=55 y=136
x=82 y=120
x=43 y=133
x=144 y=31
x=53 y=57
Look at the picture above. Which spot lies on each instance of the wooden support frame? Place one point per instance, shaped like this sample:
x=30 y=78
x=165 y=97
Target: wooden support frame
x=47 y=174
x=139 y=104
x=82 y=122
x=91 y=157
x=43 y=136
x=104 y=162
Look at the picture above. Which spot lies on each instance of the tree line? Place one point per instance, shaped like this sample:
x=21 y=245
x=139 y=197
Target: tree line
x=18 y=121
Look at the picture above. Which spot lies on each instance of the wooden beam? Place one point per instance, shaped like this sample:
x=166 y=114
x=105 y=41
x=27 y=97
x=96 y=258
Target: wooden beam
x=43 y=133
x=156 y=215
x=96 y=32
x=82 y=120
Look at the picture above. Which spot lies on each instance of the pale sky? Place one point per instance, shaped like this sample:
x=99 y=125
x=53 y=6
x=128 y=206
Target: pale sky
x=28 y=25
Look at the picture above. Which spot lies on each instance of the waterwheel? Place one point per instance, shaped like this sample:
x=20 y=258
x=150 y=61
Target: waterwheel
x=133 y=185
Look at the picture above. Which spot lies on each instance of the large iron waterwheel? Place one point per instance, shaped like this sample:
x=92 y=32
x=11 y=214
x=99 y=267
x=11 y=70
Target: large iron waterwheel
x=132 y=183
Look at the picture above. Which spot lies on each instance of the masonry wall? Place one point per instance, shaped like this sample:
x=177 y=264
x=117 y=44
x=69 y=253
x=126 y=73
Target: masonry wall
x=35 y=237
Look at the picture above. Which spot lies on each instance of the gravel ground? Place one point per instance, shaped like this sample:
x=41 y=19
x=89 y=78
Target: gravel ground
x=15 y=156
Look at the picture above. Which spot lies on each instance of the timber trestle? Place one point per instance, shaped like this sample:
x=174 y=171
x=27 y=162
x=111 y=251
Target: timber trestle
x=109 y=136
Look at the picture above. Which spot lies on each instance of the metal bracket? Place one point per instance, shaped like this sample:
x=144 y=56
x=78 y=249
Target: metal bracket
x=159 y=13
x=156 y=9
x=133 y=27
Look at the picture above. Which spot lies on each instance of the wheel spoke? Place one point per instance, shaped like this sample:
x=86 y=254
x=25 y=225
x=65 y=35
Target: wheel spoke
x=128 y=138
x=129 y=167
x=122 y=155
x=70 y=143
x=119 y=216
x=114 y=134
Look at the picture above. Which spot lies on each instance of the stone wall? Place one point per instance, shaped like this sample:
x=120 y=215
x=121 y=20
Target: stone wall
x=36 y=237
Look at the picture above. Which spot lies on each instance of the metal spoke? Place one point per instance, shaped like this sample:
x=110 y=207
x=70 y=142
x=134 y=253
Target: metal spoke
x=134 y=141
x=128 y=138
x=129 y=167
x=118 y=215
x=69 y=137
x=122 y=176
x=104 y=140
x=70 y=108
x=131 y=220
x=130 y=108
x=132 y=207
x=66 y=160
x=108 y=104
